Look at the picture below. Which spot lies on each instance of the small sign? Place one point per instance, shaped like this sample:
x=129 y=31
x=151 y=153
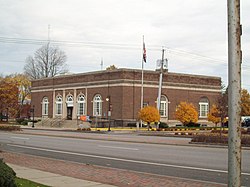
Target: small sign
x=84 y=118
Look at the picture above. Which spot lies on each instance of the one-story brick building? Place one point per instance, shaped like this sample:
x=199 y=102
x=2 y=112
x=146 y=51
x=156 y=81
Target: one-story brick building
x=95 y=93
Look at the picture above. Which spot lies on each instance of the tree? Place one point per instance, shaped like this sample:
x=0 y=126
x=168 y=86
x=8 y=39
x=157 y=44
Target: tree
x=24 y=88
x=186 y=113
x=245 y=103
x=214 y=115
x=149 y=114
x=47 y=62
x=8 y=96
x=112 y=67
x=223 y=105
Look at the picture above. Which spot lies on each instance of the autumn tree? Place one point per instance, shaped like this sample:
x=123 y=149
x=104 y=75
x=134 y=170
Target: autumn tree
x=214 y=115
x=48 y=61
x=245 y=103
x=149 y=114
x=24 y=89
x=8 y=96
x=186 y=113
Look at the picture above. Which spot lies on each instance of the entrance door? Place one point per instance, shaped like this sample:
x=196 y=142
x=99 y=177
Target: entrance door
x=69 y=113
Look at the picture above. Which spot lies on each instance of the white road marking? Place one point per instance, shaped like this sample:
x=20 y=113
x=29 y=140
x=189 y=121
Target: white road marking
x=114 y=147
x=22 y=138
x=124 y=160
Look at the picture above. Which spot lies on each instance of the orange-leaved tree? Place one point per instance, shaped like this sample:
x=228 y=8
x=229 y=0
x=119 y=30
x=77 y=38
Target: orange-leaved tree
x=186 y=113
x=245 y=103
x=149 y=114
x=8 y=96
x=214 y=115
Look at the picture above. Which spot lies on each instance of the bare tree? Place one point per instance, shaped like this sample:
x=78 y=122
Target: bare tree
x=47 y=62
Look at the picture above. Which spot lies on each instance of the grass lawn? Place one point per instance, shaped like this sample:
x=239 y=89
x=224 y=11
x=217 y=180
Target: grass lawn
x=27 y=183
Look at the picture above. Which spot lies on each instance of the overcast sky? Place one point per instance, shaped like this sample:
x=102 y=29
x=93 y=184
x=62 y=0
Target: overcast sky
x=193 y=32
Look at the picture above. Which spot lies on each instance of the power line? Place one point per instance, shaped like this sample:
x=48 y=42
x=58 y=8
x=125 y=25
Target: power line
x=116 y=46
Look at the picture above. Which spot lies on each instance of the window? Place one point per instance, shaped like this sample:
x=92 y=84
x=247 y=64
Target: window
x=45 y=106
x=97 y=105
x=164 y=106
x=69 y=101
x=81 y=105
x=59 y=105
x=204 y=107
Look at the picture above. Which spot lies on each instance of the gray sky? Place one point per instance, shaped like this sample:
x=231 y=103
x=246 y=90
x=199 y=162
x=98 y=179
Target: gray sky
x=193 y=32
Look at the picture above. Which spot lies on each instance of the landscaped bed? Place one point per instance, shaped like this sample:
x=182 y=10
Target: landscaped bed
x=7 y=127
x=221 y=137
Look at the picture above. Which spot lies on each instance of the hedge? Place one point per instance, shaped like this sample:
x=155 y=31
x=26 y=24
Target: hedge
x=219 y=138
x=7 y=175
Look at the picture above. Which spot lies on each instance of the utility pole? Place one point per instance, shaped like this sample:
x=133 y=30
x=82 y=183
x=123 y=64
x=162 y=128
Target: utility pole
x=160 y=82
x=234 y=91
x=102 y=64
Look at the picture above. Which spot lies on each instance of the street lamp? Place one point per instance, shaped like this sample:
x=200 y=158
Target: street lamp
x=7 y=114
x=32 y=110
x=108 y=99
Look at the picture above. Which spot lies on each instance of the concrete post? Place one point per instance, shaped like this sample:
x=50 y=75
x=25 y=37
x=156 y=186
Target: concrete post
x=234 y=94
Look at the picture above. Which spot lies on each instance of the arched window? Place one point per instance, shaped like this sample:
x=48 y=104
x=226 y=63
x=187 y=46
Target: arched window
x=81 y=105
x=97 y=105
x=164 y=106
x=59 y=105
x=204 y=107
x=69 y=101
x=45 y=106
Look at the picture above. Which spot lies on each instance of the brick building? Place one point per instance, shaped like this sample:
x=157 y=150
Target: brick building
x=119 y=90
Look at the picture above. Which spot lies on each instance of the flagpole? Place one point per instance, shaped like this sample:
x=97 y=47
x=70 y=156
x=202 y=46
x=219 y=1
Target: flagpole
x=142 y=76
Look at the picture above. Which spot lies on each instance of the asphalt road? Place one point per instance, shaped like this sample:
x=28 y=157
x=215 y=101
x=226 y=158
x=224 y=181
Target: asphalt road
x=198 y=163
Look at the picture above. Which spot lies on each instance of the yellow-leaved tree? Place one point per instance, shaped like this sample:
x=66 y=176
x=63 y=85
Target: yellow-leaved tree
x=149 y=114
x=186 y=113
x=214 y=115
x=245 y=103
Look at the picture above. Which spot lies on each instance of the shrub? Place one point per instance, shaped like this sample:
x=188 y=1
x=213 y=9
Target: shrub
x=84 y=129
x=191 y=124
x=217 y=138
x=131 y=124
x=7 y=175
x=163 y=125
x=20 y=120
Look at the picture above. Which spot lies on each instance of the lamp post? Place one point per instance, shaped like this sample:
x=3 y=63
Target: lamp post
x=7 y=114
x=32 y=110
x=109 y=110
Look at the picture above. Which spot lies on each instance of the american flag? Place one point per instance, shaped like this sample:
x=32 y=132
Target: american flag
x=144 y=53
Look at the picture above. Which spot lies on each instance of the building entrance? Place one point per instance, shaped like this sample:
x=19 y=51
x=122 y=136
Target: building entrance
x=69 y=113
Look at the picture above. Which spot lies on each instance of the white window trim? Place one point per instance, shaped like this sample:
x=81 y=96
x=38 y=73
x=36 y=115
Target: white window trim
x=81 y=102
x=206 y=104
x=45 y=106
x=61 y=106
x=100 y=105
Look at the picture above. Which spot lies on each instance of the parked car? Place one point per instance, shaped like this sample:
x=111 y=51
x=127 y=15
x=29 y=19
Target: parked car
x=225 y=124
x=246 y=122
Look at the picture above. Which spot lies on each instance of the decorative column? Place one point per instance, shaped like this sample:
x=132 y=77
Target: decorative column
x=64 y=107
x=53 y=104
x=74 y=115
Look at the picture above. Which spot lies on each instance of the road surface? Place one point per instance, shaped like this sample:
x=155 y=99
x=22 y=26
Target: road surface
x=197 y=163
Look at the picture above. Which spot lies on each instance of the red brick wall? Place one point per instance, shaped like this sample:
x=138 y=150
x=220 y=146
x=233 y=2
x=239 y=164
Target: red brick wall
x=126 y=100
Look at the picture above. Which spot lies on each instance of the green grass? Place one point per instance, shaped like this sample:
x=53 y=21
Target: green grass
x=27 y=183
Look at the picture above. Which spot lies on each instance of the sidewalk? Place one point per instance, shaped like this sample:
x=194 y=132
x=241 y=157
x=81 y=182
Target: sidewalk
x=51 y=179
